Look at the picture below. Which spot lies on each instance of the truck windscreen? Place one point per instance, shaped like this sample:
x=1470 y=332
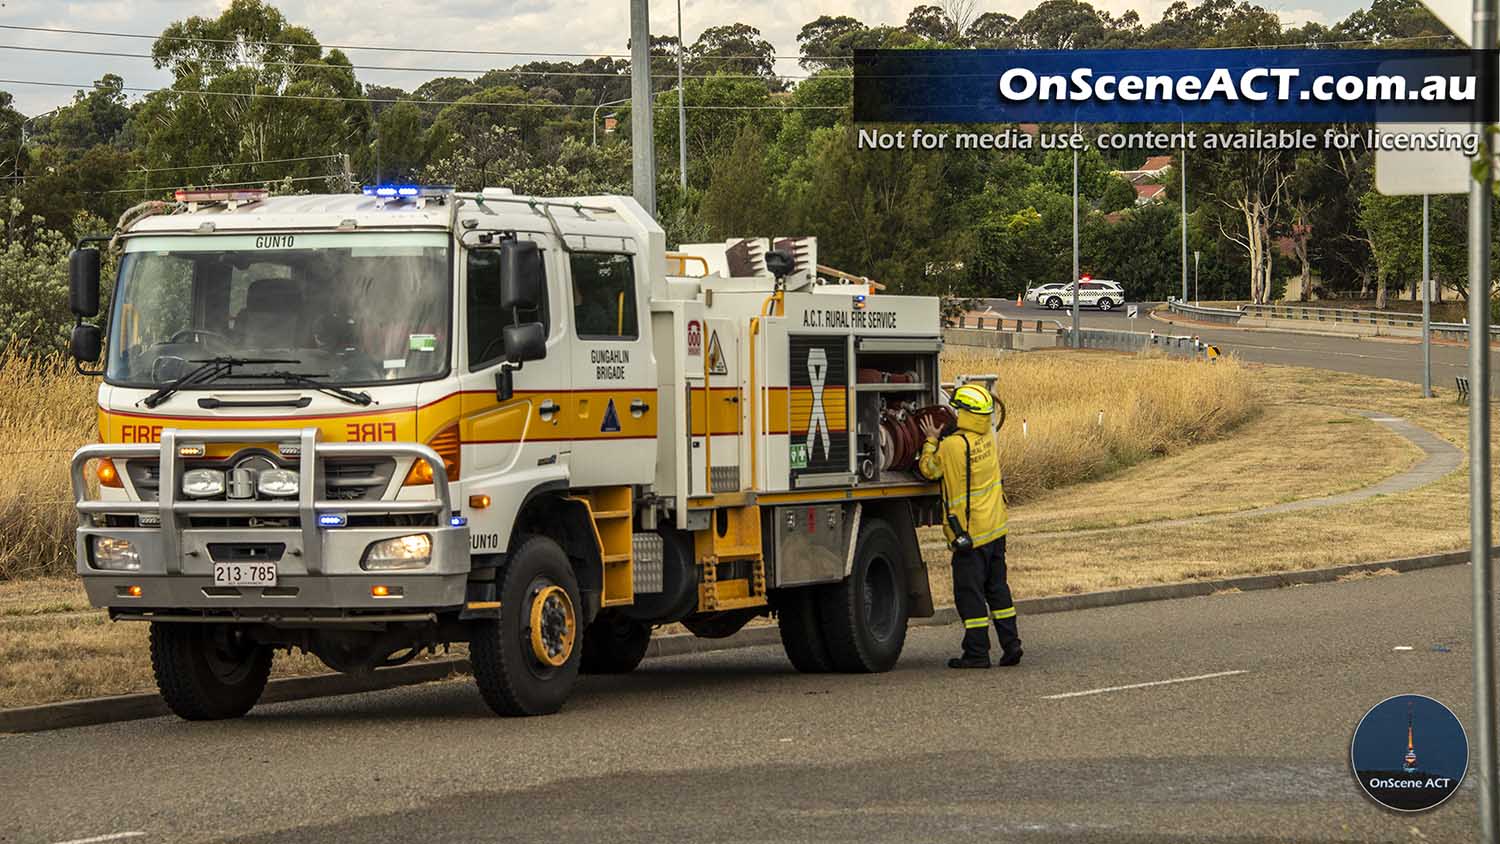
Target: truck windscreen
x=350 y=309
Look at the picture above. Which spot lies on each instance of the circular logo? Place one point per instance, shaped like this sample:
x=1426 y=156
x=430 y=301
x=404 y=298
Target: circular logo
x=1409 y=753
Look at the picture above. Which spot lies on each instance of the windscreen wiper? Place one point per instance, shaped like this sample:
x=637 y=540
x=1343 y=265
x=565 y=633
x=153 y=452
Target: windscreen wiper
x=207 y=370
x=310 y=380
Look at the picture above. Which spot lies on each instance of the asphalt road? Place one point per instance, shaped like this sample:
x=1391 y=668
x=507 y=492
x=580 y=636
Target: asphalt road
x=736 y=746
x=1400 y=359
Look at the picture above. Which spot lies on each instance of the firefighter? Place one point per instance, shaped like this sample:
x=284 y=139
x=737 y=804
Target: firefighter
x=964 y=459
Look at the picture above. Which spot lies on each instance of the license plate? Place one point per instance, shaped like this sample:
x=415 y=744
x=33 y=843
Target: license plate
x=244 y=574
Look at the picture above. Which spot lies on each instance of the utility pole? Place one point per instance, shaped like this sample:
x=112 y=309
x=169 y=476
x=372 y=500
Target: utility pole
x=1481 y=189
x=1196 y=296
x=642 y=138
x=681 y=108
x=1076 y=336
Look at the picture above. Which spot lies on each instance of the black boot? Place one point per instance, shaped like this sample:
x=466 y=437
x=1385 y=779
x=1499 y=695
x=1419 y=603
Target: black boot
x=969 y=662
x=1011 y=657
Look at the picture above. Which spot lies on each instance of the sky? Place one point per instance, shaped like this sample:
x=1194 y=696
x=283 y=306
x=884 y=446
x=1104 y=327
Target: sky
x=593 y=26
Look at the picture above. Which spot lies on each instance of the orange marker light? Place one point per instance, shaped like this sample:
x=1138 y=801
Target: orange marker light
x=108 y=474
x=133 y=591
x=380 y=591
x=479 y=502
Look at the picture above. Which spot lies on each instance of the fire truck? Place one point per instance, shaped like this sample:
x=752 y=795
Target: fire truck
x=369 y=426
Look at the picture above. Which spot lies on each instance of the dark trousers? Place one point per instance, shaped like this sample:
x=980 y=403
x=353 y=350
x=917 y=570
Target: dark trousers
x=982 y=597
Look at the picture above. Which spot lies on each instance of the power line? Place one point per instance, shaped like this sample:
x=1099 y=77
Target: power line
x=392 y=101
x=134 y=170
x=374 y=47
x=508 y=71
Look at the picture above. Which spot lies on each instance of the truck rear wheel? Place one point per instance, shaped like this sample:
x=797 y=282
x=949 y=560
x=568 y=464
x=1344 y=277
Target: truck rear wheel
x=206 y=672
x=801 y=631
x=526 y=663
x=864 y=617
x=615 y=645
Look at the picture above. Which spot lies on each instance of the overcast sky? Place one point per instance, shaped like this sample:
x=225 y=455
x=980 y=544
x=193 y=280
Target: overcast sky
x=596 y=26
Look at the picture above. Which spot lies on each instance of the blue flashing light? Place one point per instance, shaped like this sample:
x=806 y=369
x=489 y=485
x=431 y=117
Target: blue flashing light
x=406 y=191
x=458 y=521
x=332 y=520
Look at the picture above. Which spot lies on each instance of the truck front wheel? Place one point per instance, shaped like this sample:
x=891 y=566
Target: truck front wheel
x=208 y=671
x=864 y=617
x=526 y=663
x=615 y=645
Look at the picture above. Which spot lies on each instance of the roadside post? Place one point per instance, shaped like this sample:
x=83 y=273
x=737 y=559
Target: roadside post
x=1132 y=312
x=1076 y=335
x=1197 y=300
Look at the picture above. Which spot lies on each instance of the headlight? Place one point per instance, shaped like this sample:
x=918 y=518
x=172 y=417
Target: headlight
x=277 y=483
x=113 y=554
x=402 y=552
x=202 y=483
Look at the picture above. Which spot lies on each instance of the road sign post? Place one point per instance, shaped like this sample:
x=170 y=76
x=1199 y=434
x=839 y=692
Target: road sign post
x=1426 y=298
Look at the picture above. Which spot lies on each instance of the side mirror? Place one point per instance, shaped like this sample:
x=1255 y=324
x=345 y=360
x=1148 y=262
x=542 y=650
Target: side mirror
x=521 y=275
x=83 y=282
x=87 y=342
x=527 y=341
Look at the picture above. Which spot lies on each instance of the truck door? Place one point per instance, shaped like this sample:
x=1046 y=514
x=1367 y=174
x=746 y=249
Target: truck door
x=509 y=447
x=613 y=409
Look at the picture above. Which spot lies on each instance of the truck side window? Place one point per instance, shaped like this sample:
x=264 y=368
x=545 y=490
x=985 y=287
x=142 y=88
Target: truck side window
x=604 y=295
x=487 y=320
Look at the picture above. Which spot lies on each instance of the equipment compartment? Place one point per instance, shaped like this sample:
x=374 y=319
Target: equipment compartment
x=894 y=388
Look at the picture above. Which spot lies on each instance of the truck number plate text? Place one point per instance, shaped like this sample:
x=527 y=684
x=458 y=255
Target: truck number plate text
x=244 y=574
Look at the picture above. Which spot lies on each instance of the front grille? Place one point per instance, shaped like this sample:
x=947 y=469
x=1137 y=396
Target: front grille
x=357 y=479
x=344 y=478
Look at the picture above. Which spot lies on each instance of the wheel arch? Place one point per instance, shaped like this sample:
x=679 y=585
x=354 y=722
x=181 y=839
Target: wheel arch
x=549 y=511
x=901 y=515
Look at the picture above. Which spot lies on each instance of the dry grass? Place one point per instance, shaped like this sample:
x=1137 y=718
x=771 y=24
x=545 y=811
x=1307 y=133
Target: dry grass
x=1079 y=416
x=46 y=412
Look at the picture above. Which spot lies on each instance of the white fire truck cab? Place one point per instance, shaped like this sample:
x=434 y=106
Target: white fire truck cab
x=368 y=426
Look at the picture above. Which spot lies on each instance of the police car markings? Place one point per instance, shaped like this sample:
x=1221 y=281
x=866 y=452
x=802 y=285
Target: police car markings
x=1145 y=685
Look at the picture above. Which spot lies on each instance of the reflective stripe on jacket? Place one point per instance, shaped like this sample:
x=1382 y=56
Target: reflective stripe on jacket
x=984 y=500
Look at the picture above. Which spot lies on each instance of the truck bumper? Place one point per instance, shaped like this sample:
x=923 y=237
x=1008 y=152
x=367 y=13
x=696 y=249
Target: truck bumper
x=318 y=569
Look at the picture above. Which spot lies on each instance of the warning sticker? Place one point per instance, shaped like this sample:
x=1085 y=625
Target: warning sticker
x=611 y=420
x=694 y=338
x=717 y=365
x=799 y=455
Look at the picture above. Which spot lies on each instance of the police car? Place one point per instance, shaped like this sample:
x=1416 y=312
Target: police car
x=1100 y=293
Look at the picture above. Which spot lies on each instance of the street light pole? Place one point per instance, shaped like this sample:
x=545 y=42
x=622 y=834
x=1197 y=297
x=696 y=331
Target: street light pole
x=1426 y=299
x=1481 y=190
x=1076 y=336
x=1183 y=163
x=681 y=108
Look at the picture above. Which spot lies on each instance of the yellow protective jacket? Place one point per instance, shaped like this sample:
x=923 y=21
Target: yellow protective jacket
x=984 y=500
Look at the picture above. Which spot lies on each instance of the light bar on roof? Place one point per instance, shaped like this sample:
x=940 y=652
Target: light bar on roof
x=212 y=195
x=407 y=191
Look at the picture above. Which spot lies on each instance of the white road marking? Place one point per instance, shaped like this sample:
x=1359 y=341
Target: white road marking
x=1107 y=689
x=1402 y=648
x=1384 y=419
x=100 y=839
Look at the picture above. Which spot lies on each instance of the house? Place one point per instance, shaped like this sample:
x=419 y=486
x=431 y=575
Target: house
x=1147 y=178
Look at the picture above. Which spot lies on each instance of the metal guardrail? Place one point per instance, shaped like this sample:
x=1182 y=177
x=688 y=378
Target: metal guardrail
x=1228 y=316
x=1177 y=344
x=999 y=323
x=1352 y=317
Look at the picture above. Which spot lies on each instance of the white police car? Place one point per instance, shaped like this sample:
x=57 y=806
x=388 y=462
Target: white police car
x=1092 y=293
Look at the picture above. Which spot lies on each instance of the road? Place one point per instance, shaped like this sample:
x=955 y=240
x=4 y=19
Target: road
x=736 y=746
x=1400 y=359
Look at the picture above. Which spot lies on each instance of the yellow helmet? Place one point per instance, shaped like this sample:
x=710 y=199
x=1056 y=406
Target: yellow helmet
x=974 y=399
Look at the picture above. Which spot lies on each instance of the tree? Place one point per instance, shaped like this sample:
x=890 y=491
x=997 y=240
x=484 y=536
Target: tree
x=933 y=24
x=400 y=142
x=827 y=37
x=738 y=202
x=247 y=87
x=992 y=30
x=1390 y=220
x=1249 y=187
x=736 y=48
